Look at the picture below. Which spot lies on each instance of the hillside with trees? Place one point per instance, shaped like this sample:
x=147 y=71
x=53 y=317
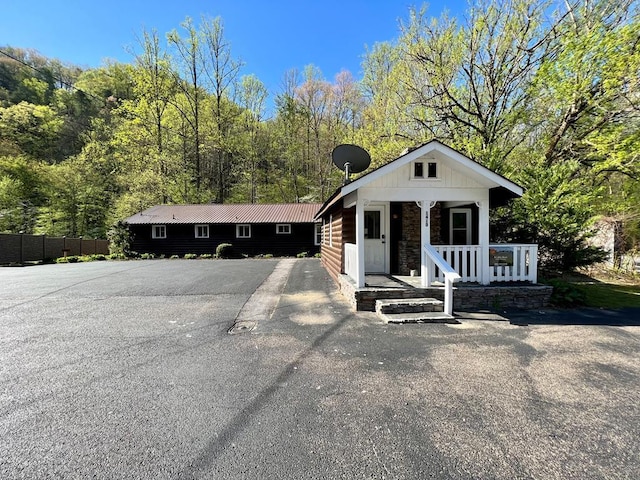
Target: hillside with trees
x=546 y=95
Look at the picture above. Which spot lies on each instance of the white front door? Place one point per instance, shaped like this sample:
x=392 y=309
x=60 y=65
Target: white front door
x=374 y=240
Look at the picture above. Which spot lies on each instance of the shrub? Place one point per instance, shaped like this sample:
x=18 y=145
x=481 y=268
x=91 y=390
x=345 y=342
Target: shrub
x=206 y=256
x=120 y=239
x=147 y=256
x=317 y=255
x=174 y=257
x=224 y=250
x=566 y=294
x=98 y=257
x=303 y=255
x=268 y=255
x=190 y=256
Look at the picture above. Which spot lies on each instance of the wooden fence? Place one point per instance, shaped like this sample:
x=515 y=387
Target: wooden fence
x=20 y=248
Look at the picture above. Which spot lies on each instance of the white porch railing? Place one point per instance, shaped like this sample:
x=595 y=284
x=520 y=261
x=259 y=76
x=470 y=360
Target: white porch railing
x=466 y=261
x=448 y=273
x=524 y=268
x=351 y=260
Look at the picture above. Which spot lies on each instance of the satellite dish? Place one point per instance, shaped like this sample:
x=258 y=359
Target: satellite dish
x=350 y=159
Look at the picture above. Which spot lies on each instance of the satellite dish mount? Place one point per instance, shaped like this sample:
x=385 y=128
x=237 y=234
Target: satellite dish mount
x=350 y=159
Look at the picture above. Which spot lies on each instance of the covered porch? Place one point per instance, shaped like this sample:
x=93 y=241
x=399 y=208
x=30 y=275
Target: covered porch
x=429 y=244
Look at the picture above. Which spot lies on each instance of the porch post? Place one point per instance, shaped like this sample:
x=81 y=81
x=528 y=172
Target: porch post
x=483 y=240
x=360 y=281
x=425 y=237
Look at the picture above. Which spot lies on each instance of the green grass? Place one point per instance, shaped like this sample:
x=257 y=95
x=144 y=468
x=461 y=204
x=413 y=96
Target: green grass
x=610 y=295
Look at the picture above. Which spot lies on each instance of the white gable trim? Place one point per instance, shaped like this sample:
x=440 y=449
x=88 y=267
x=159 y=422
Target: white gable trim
x=433 y=145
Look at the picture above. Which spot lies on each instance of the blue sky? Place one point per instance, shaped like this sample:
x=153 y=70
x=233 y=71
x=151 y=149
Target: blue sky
x=270 y=37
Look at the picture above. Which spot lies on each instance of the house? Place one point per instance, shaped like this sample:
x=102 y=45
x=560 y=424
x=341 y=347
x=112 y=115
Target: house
x=252 y=229
x=426 y=215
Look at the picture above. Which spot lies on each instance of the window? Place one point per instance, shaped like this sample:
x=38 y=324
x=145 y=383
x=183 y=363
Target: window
x=432 y=170
x=418 y=170
x=243 y=231
x=283 y=228
x=202 y=231
x=159 y=231
x=460 y=226
x=331 y=230
x=372 y=224
x=318 y=235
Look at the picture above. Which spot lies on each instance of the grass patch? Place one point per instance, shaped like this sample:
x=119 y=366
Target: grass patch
x=610 y=295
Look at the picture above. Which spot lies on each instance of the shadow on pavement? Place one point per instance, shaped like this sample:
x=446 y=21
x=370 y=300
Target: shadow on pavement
x=625 y=317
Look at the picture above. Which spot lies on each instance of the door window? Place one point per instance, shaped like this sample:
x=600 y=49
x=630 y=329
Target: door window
x=372 y=224
x=460 y=226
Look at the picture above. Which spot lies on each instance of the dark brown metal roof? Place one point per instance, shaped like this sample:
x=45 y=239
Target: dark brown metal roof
x=226 y=213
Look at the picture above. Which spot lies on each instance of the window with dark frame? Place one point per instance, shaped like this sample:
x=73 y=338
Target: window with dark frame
x=159 y=231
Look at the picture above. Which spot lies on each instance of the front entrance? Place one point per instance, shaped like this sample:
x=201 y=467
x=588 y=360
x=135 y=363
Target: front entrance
x=374 y=240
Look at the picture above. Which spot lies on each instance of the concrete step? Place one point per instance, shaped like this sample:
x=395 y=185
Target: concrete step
x=408 y=305
x=417 y=317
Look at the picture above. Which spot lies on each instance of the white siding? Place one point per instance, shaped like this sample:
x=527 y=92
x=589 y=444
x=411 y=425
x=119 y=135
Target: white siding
x=447 y=178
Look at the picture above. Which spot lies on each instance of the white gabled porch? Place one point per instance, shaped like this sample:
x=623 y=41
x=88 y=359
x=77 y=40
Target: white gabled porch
x=425 y=214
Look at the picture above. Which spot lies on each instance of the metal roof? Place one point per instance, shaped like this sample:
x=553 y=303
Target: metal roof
x=226 y=213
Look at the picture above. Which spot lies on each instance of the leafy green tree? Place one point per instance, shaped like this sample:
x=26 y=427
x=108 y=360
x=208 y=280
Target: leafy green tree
x=22 y=185
x=31 y=129
x=555 y=212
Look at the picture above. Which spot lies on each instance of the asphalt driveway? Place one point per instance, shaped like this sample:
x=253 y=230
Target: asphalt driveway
x=126 y=370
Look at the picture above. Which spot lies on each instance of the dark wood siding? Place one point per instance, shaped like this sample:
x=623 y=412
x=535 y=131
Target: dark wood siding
x=343 y=231
x=264 y=240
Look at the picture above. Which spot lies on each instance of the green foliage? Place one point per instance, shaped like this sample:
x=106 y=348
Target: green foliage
x=190 y=256
x=225 y=250
x=147 y=256
x=206 y=256
x=120 y=239
x=317 y=255
x=174 y=257
x=566 y=294
x=302 y=255
x=555 y=212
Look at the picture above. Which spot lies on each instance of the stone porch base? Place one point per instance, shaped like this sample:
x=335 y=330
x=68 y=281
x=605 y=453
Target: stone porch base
x=466 y=297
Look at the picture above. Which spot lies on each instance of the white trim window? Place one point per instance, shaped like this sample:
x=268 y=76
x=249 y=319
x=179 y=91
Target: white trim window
x=158 y=231
x=243 y=231
x=331 y=230
x=283 y=228
x=460 y=226
x=425 y=170
x=317 y=239
x=202 y=231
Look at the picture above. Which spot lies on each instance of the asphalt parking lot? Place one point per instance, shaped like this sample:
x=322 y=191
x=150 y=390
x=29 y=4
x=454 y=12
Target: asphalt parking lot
x=127 y=370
